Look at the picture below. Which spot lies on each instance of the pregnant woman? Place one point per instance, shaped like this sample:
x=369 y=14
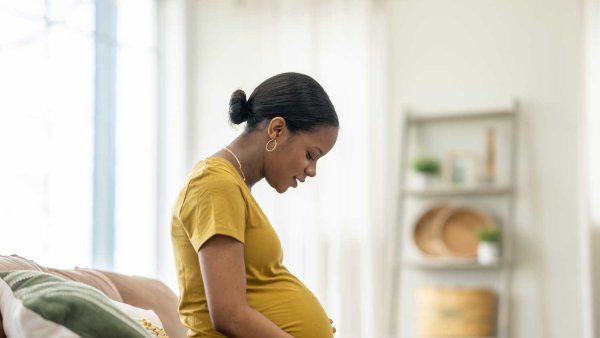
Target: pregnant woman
x=228 y=256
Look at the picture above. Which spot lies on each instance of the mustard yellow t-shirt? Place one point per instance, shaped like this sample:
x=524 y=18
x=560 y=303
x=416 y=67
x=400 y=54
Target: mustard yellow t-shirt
x=216 y=200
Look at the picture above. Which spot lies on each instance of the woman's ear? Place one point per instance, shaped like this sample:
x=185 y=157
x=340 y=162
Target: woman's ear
x=277 y=128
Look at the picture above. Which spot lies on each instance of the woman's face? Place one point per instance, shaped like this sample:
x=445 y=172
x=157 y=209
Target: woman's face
x=296 y=155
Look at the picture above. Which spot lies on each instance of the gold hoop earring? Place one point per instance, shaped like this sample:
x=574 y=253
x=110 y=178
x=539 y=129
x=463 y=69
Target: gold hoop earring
x=267 y=145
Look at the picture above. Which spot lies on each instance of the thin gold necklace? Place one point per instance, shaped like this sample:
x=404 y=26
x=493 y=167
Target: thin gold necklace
x=238 y=161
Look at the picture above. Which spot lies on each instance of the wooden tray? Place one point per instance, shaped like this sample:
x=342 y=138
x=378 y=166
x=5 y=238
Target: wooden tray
x=457 y=229
x=425 y=233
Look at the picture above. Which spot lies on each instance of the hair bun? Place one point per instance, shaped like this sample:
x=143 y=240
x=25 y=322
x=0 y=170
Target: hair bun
x=238 y=107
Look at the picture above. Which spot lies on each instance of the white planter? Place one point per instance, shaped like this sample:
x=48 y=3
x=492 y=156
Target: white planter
x=488 y=253
x=423 y=181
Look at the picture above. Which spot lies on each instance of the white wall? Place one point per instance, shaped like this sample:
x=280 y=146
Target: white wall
x=331 y=229
x=478 y=53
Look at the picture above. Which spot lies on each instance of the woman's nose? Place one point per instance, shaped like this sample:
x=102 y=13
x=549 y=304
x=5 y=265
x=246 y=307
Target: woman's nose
x=311 y=171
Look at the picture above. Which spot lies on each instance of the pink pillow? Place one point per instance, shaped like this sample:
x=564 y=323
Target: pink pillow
x=145 y=293
x=86 y=276
x=15 y=262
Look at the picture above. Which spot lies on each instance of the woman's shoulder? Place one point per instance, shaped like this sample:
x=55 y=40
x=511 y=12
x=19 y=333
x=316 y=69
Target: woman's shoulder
x=214 y=174
x=213 y=167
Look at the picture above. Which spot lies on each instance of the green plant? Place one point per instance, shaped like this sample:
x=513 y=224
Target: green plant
x=427 y=165
x=492 y=234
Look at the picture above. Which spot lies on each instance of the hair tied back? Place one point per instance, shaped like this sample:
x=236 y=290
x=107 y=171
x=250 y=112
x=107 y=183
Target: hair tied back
x=239 y=111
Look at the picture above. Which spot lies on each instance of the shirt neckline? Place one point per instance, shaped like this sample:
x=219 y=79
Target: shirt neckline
x=232 y=168
x=241 y=181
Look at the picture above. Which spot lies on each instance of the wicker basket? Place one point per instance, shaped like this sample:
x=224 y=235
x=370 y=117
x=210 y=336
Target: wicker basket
x=456 y=312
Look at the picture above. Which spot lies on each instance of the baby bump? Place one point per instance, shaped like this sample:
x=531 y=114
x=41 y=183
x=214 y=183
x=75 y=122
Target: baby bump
x=297 y=312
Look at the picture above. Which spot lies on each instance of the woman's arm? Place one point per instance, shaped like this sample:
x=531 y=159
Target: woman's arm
x=224 y=276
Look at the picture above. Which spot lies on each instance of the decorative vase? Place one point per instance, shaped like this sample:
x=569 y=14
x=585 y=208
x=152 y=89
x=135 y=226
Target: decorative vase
x=488 y=253
x=424 y=181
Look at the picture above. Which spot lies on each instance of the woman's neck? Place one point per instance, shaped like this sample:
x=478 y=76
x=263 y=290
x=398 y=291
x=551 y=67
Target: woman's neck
x=249 y=151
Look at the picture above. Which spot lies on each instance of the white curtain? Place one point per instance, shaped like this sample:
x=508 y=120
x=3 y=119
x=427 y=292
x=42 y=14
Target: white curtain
x=334 y=228
x=46 y=131
x=47 y=86
x=592 y=158
x=135 y=138
x=592 y=71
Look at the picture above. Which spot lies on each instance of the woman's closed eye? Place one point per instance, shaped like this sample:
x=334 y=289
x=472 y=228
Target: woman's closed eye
x=309 y=156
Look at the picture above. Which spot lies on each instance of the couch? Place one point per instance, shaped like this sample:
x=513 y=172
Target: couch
x=145 y=293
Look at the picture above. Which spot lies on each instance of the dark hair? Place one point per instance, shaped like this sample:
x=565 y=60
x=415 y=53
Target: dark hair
x=298 y=98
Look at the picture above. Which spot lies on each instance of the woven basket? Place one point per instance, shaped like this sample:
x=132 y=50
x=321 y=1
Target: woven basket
x=456 y=312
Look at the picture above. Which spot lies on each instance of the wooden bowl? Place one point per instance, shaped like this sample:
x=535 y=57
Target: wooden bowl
x=457 y=228
x=425 y=233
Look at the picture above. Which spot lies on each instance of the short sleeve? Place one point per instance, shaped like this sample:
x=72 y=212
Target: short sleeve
x=213 y=205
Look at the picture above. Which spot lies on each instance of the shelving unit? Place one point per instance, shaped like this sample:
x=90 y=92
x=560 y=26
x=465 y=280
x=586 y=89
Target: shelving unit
x=412 y=270
x=448 y=264
x=446 y=192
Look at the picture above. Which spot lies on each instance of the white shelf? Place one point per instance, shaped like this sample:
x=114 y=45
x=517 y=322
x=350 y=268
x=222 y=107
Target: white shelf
x=421 y=131
x=460 y=337
x=448 y=264
x=458 y=191
x=460 y=115
x=389 y=336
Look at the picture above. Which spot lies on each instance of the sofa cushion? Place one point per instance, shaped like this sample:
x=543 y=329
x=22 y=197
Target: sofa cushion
x=138 y=291
x=16 y=262
x=87 y=276
x=38 y=304
x=147 y=317
x=151 y=294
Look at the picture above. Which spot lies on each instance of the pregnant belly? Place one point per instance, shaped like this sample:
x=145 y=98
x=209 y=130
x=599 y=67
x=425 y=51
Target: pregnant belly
x=297 y=311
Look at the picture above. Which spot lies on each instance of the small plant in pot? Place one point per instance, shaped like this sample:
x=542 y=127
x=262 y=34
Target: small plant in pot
x=428 y=169
x=488 y=249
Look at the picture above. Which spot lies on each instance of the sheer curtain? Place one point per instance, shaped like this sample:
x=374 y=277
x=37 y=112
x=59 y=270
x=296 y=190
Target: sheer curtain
x=334 y=227
x=592 y=105
x=593 y=102
x=136 y=138
x=46 y=131
x=48 y=67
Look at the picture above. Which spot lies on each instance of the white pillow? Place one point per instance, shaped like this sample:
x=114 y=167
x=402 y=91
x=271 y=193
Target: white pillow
x=37 y=304
x=147 y=318
x=19 y=321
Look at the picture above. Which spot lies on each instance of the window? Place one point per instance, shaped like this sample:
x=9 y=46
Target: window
x=54 y=90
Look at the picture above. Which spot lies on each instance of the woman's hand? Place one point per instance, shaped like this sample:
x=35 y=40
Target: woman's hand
x=331 y=321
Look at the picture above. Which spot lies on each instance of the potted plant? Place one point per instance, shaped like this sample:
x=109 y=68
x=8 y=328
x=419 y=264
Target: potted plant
x=428 y=168
x=488 y=249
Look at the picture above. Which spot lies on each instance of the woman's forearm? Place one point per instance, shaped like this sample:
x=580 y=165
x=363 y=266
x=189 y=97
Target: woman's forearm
x=249 y=323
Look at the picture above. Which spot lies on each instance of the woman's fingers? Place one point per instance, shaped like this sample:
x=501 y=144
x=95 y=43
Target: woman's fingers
x=331 y=322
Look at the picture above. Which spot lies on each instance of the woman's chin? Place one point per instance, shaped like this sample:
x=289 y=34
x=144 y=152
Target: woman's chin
x=281 y=188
